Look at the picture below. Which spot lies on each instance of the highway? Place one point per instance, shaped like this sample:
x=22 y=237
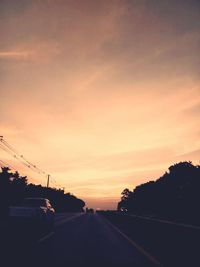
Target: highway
x=76 y=240
x=171 y=243
x=112 y=239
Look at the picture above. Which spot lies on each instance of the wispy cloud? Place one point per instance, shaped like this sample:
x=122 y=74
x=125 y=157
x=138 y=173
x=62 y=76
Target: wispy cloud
x=35 y=52
x=192 y=156
x=102 y=94
x=16 y=55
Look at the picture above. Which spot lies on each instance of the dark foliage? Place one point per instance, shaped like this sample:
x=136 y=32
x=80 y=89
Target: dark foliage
x=14 y=188
x=175 y=195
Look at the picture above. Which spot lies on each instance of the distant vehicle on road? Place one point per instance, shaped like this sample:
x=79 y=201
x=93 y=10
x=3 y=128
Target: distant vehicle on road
x=89 y=210
x=35 y=210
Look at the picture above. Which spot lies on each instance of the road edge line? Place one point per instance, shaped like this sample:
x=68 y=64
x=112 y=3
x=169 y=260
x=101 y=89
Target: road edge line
x=138 y=247
x=189 y=226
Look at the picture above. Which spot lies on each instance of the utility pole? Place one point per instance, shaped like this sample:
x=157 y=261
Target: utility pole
x=48 y=176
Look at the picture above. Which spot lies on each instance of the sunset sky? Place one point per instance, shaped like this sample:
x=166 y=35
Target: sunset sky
x=103 y=95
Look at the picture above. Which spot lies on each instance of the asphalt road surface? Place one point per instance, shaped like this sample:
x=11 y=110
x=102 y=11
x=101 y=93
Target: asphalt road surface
x=77 y=240
x=171 y=243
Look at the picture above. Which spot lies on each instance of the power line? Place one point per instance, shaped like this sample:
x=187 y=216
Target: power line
x=9 y=149
x=5 y=164
x=13 y=155
x=13 y=152
x=4 y=145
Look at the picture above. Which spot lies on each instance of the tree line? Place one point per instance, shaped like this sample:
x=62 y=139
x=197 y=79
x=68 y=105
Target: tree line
x=14 y=188
x=174 y=195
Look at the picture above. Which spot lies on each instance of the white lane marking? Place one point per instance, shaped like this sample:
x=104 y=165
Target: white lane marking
x=59 y=217
x=138 y=247
x=58 y=224
x=45 y=237
x=167 y=222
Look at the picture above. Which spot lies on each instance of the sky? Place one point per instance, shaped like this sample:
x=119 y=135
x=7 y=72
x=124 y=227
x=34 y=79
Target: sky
x=103 y=95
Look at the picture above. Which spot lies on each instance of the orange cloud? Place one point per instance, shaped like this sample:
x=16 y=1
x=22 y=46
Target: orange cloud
x=17 y=55
x=101 y=94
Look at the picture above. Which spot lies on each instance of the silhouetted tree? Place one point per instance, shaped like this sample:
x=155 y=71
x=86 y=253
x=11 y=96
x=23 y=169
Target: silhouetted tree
x=14 y=188
x=5 y=177
x=126 y=198
x=176 y=194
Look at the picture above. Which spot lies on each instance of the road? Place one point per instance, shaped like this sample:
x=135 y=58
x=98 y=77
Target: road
x=77 y=240
x=171 y=243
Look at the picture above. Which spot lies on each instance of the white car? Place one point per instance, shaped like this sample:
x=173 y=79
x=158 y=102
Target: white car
x=36 y=210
